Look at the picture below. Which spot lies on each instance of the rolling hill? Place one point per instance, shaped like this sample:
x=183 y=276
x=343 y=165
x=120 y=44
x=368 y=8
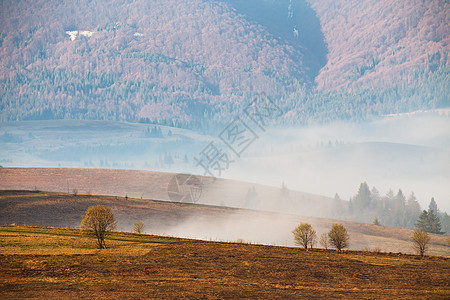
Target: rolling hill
x=220 y=213
x=196 y=221
x=197 y=63
x=155 y=185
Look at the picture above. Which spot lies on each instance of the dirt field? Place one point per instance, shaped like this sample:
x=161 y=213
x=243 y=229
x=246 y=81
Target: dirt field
x=50 y=263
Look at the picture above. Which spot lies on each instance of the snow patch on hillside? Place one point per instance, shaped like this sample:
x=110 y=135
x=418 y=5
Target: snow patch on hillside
x=73 y=34
x=440 y=112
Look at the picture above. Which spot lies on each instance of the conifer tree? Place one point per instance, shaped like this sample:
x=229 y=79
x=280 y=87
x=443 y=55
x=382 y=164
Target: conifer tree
x=422 y=221
x=429 y=220
x=434 y=222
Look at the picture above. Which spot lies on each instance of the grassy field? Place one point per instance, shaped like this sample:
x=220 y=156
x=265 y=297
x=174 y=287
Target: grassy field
x=42 y=262
x=153 y=185
x=196 y=221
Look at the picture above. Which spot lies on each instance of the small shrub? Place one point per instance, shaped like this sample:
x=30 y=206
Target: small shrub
x=420 y=239
x=99 y=220
x=324 y=240
x=138 y=227
x=304 y=235
x=339 y=237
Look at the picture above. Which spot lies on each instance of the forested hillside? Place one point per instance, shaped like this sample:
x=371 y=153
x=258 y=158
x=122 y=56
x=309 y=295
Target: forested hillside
x=193 y=63
x=395 y=51
x=377 y=43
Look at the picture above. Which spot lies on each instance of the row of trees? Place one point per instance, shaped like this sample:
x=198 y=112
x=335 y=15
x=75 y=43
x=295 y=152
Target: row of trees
x=155 y=132
x=99 y=220
x=305 y=236
x=106 y=96
x=429 y=221
x=394 y=210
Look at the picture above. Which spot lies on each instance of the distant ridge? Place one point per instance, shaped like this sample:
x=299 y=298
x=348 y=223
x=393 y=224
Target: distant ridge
x=154 y=185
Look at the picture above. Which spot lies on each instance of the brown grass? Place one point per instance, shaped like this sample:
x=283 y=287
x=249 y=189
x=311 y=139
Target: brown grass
x=52 y=262
x=67 y=210
x=150 y=185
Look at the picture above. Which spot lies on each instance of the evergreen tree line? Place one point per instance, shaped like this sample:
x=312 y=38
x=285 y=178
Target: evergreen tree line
x=62 y=94
x=394 y=210
x=154 y=132
x=431 y=220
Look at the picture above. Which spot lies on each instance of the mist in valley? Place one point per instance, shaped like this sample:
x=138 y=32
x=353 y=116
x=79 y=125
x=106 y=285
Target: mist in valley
x=159 y=148
x=408 y=152
x=267 y=228
x=167 y=63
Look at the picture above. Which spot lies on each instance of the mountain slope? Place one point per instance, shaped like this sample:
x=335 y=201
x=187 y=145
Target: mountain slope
x=378 y=43
x=197 y=63
x=156 y=60
x=294 y=22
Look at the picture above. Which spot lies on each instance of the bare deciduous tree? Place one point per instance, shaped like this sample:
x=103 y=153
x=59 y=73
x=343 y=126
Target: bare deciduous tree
x=99 y=220
x=420 y=239
x=339 y=237
x=304 y=235
x=138 y=227
x=324 y=240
